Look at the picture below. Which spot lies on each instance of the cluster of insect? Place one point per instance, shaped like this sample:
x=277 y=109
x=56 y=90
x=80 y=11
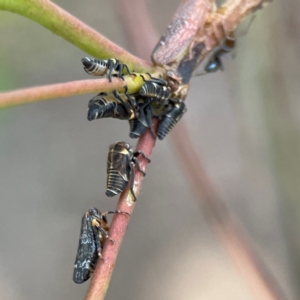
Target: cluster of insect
x=153 y=100
x=94 y=226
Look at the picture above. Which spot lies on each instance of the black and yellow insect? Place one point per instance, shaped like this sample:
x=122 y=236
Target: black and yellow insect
x=170 y=119
x=120 y=168
x=94 y=231
x=155 y=89
x=100 y=67
x=123 y=106
x=139 y=124
x=114 y=106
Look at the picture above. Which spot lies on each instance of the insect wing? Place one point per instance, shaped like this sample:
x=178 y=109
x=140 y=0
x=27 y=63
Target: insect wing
x=87 y=255
x=119 y=162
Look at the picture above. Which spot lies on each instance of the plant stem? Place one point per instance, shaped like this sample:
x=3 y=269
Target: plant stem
x=103 y=272
x=67 y=89
x=73 y=30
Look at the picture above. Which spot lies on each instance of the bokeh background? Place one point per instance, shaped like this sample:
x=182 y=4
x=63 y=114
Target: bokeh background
x=244 y=123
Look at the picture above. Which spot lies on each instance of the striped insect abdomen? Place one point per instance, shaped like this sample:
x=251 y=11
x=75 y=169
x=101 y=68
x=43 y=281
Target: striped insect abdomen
x=118 y=172
x=171 y=119
x=94 y=67
x=105 y=107
x=99 y=109
x=154 y=90
x=136 y=128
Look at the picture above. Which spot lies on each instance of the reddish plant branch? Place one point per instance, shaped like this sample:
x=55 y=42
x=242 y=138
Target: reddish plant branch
x=58 y=90
x=103 y=272
x=67 y=89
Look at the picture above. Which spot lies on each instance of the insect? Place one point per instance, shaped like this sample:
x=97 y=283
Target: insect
x=110 y=67
x=170 y=119
x=155 y=88
x=215 y=62
x=120 y=168
x=124 y=107
x=139 y=125
x=137 y=128
x=105 y=106
x=94 y=231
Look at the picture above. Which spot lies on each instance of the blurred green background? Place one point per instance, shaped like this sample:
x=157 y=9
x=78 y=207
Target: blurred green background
x=244 y=122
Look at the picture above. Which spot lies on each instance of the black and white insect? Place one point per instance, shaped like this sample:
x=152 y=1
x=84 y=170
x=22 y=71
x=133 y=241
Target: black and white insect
x=169 y=115
x=123 y=106
x=117 y=106
x=110 y=67
x=137 y=128
x=120 y=168
x=156 y=89
x=94 y=231
x=139 y=124
x=170 y=119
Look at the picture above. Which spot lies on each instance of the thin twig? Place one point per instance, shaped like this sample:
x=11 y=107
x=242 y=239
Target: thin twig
x=62 y=23
x=67 y=89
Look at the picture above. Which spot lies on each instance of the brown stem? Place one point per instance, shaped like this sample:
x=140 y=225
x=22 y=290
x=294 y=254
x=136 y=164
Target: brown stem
x=103 y=272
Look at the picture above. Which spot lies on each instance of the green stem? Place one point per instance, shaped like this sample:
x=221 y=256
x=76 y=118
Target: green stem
x=74 y=31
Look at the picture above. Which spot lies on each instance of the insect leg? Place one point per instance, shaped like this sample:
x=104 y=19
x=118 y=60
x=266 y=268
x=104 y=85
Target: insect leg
x=131 y=100
x=110 y=65
x=136 y=161
x=116 y=212
x=140 y=152
x=127 y=107
x=124 y=66
x=132 y=180
x=97 y=241
x=157 y=80
x=143 y=78
x=104 y=233
x=149 y=115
